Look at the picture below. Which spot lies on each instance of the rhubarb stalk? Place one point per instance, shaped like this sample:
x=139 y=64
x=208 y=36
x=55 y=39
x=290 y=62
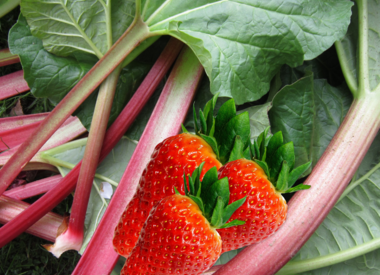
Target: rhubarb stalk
x=7 y=58
x=34 y=188
x=136 y=33
x=170 y=111
x=12 y=84
x=113 y=135
x=329 y=177
x=46 y=227
x=72 y=238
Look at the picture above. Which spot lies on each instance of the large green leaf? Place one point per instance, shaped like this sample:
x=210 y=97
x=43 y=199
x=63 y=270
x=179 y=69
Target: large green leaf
x=47 y=75
x=75 y=27
x=242 y=44
x=258 y=118
x=110 y=169
x=353 y=222
x=309 y=112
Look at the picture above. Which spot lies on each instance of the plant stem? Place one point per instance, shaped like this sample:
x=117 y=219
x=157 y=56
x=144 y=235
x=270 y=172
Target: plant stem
x=330 y=259
x=45 y=228
x=307 y=209
x=70 y=129
x=170 y=111
x=34 y=188
x=137 y=32
x=8 y=5
x=113 y=135
x=7 y=58
x=12 y=84
x=72 y=238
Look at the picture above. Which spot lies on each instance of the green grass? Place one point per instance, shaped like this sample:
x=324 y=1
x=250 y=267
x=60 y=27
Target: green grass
x=25 y=255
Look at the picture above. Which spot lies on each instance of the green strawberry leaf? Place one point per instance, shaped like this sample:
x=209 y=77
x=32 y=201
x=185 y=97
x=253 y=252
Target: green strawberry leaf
x=282 y=182
x=297 y=188
x=297 y=172
x=238 y=150
x=212 y=142
x=264 y=166
x=231 y=208
x=232 y=223
x=285 y=152
x=198 y=201
x=216 y=218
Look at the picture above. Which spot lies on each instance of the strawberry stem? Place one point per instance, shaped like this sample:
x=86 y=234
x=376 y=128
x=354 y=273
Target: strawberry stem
x=166 y=120
x=113 y=135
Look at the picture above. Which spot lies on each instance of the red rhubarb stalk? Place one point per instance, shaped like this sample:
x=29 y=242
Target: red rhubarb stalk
x=170 y=111
x=34 y=188
x=7 y=58
x=15 y=122
x=72 y=238
x=329 y=177
x=71 y=129
x=46 y=227
x=136 y=33
x=113 y=135
x=12 y=85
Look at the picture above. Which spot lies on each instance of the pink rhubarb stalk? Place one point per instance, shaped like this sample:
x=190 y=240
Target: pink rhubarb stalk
x=7 y=58
x=34 y=188
x=71 y=129
x=46 y=228
x=170 y=111
x=307 y=209
x=72 y=238
x=113 y=135
x=136 y=33
x=12 y=123
x=12 y=85
x=329 y=178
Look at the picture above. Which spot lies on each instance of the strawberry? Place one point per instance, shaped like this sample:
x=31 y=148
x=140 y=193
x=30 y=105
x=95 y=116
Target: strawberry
x=262 y=181
x=179 y=236
x=170 y=160
x=175 y=156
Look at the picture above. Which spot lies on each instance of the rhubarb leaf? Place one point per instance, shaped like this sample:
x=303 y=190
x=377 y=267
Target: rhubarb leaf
x=258 y=117
x=110 y=170
x=72 y=28
x=309 y=113
x=47 y=75
x=242 y=44
x=353 y=222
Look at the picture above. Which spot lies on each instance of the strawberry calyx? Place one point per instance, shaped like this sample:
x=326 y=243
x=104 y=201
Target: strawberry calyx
x=212 y=196
x=221 y=130
x=275 y=158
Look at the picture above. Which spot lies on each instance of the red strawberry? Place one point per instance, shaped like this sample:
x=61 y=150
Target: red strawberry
x=174 y=157
x=264 y=210
x=170 y=160
x=177 y=238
